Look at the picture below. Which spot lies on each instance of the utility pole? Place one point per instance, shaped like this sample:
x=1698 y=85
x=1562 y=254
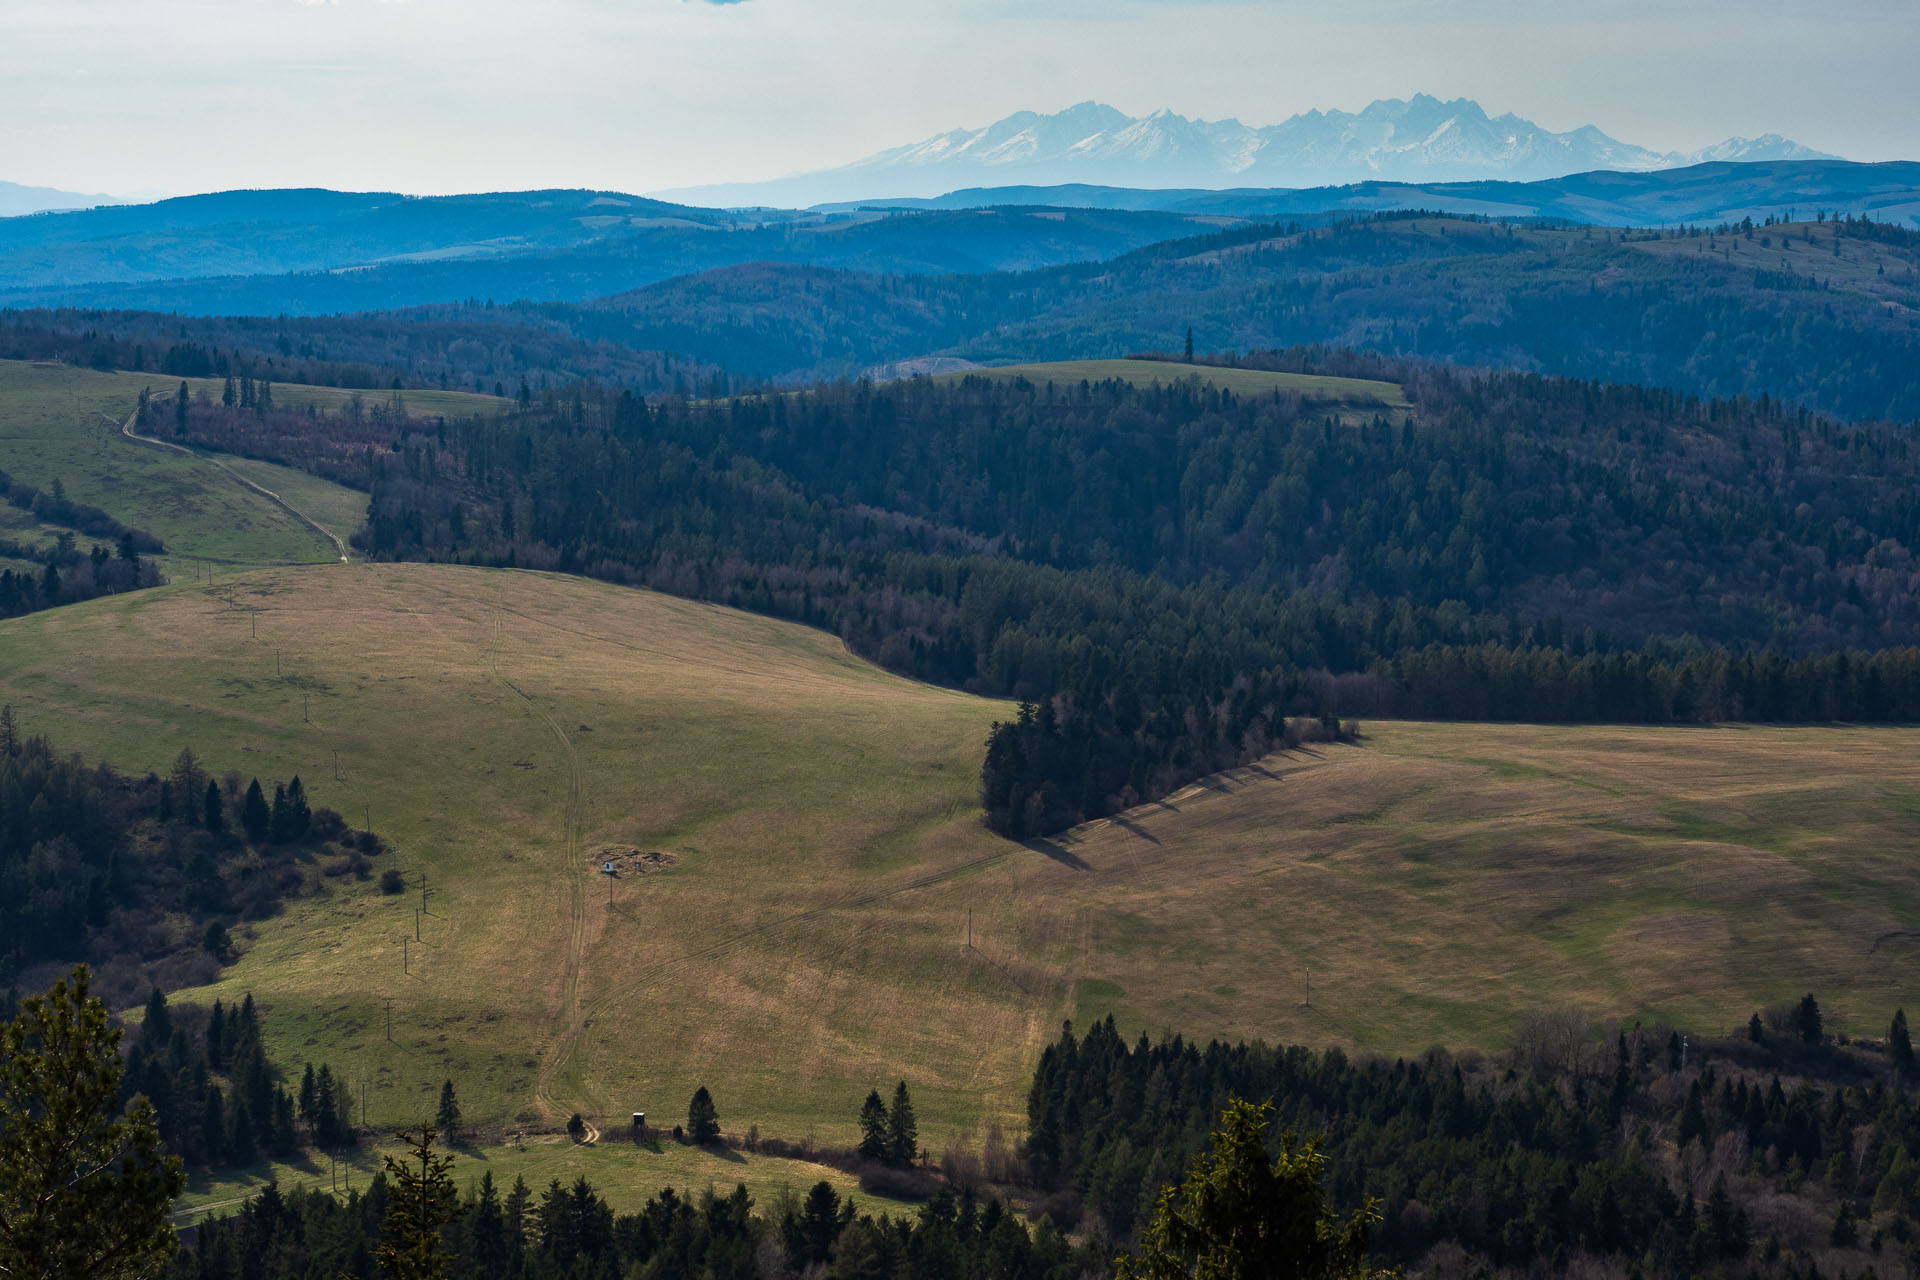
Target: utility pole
x=254 y=618
x=406 y=966
x=1309 y=988
x=276 y=664
x=969 y=928
x=303 y=710
x=423 y=893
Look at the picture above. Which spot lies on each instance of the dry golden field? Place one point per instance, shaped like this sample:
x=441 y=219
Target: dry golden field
x=808 y=940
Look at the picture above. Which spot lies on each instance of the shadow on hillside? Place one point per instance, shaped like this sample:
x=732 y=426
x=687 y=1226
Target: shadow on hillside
x=1060 y=853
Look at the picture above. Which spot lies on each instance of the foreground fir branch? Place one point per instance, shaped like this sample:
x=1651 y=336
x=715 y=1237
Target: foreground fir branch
x=84 y=1188
x=1240 y=1216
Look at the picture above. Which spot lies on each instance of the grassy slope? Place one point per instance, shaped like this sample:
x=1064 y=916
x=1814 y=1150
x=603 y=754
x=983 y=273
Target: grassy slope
x=1444 y=878
x=810 y=943
x=1245 y=382
x=503 y=727
x=59 y=422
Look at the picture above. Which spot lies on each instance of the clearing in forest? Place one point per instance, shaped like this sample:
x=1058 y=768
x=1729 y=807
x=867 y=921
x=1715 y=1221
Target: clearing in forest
x=1357 y=392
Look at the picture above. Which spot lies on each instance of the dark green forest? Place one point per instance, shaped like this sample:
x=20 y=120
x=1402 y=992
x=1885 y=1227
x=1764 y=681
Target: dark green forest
x=219 y=1102
x=1175 y=576
x=150 y=879
x=1776 y=1151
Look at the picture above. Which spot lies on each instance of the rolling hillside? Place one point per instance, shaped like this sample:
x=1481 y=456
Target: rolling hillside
x=1823 y=314
x=805 y=936
x=315 y=253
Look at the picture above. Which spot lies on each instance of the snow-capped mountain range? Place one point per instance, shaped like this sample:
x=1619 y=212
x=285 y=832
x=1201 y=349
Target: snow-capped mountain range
x=1421 y=139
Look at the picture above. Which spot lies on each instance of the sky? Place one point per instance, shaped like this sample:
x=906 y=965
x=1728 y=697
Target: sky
x=437 y=96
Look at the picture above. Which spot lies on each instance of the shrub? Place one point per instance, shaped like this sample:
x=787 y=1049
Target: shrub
x=898 y=1184
x=391 y=881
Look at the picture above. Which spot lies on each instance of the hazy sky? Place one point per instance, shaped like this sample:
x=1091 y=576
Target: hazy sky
x=457 y=95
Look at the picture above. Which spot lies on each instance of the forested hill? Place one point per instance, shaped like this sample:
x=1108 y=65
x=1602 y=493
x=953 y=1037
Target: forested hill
x=585 y=245
x=1172 y=571
x=1823 y=314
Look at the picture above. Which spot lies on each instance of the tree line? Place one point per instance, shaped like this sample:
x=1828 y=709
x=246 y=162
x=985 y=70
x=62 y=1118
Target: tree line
x=1779 y=1150
x=1773 y=1151
x=217 y=1100
x=68 y=574
x=93 y=861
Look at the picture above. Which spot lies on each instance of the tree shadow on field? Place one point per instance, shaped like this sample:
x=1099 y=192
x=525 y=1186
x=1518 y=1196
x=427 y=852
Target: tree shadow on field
x=1059 y=853
x=1133 y=828
x=719 y=1152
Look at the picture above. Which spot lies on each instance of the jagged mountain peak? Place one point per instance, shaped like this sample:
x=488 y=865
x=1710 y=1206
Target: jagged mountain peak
x=1422 y=138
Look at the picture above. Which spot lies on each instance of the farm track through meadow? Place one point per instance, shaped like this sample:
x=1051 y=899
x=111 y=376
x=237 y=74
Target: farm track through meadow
x=340 y=547
x=574 y=851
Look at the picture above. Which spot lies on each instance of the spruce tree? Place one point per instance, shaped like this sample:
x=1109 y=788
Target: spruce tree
x=299 y=817
x=448 y=1117
x=84 y=1186
x=309 y=1096
x=157 y=1025
x=515 y=1210
x=903 y=1131
x=286 y=1138
x=487 y=1232
x=217 y=1037
x=1241 y=1214
x=213 y=1125
x=873 y=1127
x=1900 y=1044
x=214 y=813
x=703 y=1119
x=420 y=1200
x=180 y=401
x=325 y=1111
x=255 y=818
x=1807 y=1019
x=241 y=1147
